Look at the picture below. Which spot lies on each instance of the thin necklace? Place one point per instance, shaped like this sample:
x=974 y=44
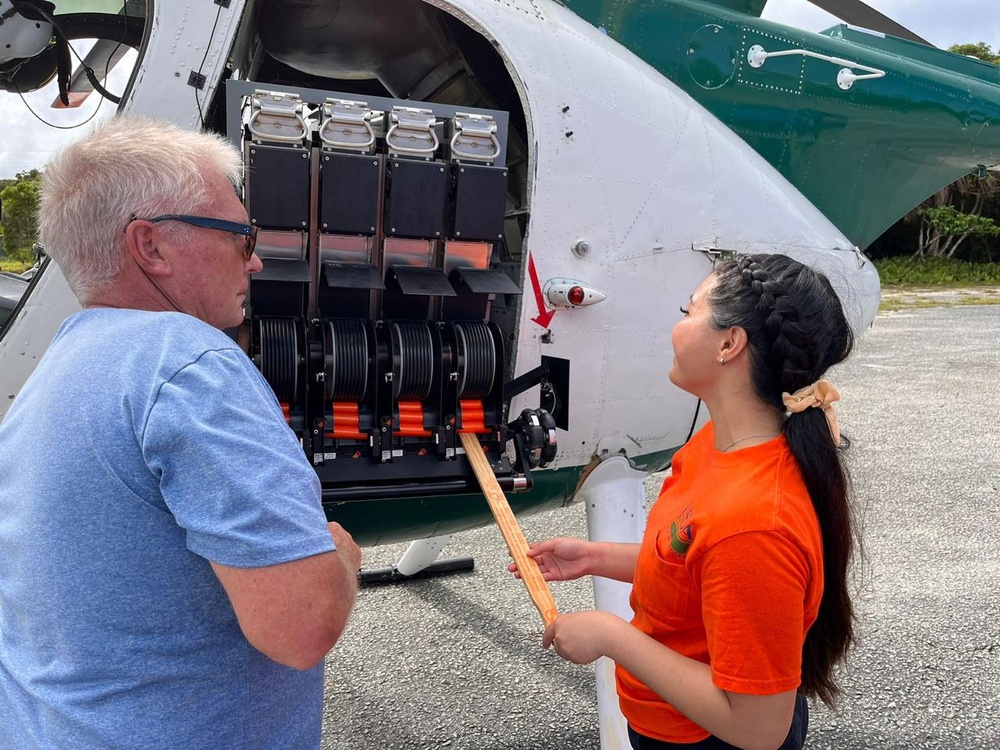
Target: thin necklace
x=744 y=439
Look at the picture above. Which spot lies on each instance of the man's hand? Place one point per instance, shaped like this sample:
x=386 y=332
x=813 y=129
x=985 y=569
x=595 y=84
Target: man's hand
x=349 y=551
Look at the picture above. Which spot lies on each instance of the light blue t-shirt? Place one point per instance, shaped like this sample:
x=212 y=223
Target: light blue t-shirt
x=144 y=446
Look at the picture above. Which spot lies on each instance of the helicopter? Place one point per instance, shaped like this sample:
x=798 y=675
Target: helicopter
x=483 y=216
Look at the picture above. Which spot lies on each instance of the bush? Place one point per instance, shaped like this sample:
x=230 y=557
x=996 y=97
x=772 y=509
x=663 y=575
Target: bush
x=935 y=272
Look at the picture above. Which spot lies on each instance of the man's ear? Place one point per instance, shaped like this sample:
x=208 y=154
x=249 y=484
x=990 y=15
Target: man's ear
x=734 y=342
x=142 y=244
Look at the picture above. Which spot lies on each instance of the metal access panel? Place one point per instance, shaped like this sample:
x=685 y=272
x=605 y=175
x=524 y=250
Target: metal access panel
x=277 y=186
x=417 y=197
x=479 y=202
x=349 y=193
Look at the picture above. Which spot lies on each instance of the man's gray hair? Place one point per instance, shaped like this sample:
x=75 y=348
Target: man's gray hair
x=128 y=167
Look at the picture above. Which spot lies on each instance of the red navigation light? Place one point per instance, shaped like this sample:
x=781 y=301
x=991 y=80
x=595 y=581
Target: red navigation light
x=576 y=295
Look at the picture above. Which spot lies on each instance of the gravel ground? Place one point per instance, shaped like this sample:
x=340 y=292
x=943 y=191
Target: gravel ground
x=456 y=662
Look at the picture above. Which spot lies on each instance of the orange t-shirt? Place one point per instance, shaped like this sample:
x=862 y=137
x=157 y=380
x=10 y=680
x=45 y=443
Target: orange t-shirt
x=730 y=572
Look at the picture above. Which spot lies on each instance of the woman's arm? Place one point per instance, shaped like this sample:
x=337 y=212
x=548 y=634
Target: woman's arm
x=565 y=559
x=751 y=722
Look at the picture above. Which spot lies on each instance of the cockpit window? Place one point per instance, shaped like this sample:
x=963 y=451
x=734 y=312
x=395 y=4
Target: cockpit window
x=130 y=7
x=63 y=54
x=62 y=64
x=12 y=288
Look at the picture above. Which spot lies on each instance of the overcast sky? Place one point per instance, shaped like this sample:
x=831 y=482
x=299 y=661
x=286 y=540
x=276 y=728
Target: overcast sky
x=25 y=142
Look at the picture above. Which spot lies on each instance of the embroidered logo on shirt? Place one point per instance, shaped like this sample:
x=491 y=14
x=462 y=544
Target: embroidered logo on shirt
x=682 y=532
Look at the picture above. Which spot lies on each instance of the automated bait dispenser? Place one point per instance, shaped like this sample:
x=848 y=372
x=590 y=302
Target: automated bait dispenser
x=385 y=312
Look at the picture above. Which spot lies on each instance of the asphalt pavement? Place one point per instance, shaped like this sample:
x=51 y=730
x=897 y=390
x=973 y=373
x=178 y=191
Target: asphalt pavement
x=456 y=662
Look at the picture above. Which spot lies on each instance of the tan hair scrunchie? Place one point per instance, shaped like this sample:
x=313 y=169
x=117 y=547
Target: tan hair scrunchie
x=820 y=395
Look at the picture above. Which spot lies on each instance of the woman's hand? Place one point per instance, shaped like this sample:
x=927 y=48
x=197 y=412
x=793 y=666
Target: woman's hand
x=560 y=558
x=583 y=637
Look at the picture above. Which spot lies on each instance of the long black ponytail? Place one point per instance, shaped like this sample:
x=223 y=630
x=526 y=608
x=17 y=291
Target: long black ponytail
x=796 y=329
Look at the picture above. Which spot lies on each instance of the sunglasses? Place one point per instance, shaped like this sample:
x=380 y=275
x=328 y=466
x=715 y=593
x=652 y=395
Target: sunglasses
x=248 y=231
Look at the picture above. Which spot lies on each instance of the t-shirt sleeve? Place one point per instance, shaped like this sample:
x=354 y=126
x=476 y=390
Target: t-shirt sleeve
x=753 y=588
x=230 y=470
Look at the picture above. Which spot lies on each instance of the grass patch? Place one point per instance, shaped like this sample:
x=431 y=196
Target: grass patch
x=973 y=300
x=896 y=304
x=911 y=271
x=910 y=283
x=899 y=298
x=14 y=266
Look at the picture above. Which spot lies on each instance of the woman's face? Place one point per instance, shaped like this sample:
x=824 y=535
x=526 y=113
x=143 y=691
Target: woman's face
x=696 y=345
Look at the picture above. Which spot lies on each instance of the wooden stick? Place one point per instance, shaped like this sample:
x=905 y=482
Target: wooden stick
x=512 y=534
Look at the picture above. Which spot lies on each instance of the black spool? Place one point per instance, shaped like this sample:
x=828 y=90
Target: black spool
x=412 y=361
x=279 y=356
x=346 y=360
x=476 y=360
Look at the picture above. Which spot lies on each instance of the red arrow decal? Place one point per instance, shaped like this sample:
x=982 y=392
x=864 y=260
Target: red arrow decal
x=544 y=316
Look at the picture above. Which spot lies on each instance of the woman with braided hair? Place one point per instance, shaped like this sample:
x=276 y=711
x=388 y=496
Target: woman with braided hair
x=740 y=583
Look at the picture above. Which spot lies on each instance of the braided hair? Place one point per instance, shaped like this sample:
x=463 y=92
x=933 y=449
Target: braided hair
x=796 y=329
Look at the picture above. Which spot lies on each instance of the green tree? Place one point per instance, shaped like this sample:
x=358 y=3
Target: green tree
x=952 y=215
x=980 y=49
x=19 y=223
x=943 y=228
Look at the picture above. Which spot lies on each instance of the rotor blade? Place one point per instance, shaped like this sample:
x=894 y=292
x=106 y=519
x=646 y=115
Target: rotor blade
x=102 y=58
x=858 y=13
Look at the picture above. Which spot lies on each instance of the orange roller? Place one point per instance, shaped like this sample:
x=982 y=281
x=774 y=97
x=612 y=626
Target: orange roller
x=473 y=417
x=346 y=422
x=411 y=420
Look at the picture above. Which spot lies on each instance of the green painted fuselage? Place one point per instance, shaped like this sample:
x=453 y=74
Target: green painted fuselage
x=865 y=156
x=384 y=521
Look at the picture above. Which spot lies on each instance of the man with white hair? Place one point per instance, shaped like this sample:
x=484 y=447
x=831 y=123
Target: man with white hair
x=167 y=576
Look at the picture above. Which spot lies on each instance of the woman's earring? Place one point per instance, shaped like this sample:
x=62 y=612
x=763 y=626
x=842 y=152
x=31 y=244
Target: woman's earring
x=722 y=360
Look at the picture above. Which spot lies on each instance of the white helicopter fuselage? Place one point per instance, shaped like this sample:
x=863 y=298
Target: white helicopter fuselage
x=634 y=190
